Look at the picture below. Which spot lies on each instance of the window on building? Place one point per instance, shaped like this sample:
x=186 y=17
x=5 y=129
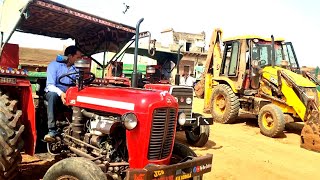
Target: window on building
x=186 y=69
x=188 y=46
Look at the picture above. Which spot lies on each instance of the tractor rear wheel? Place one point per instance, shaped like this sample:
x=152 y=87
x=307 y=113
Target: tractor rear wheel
x=10 y=141
x=198 y=136
x=75 y=168
x=180 y=152
x=225 y=104
x=271 y=120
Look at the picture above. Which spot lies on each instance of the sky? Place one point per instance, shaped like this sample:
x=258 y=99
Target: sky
x=295 y=20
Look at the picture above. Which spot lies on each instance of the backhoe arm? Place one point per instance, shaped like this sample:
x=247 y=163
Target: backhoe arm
x=214 y=52
x=306 y=107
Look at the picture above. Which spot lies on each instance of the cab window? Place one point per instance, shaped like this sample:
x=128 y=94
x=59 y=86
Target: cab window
x=230 y=62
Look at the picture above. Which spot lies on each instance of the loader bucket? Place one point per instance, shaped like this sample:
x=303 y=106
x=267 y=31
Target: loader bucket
x=310 y=134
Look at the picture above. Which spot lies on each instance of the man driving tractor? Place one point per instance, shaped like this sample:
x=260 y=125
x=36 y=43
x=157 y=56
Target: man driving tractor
x=55 y=92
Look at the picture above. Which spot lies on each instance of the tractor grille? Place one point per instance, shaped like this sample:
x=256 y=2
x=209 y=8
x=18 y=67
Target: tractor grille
x=162 y=132
x=182 y=93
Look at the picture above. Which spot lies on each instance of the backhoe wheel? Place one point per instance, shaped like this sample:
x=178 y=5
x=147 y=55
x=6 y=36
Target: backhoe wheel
x=75 y=168
x=271 y=120
x=180 y=152
x=198 y=136
x=10 y=141
x=225 y=104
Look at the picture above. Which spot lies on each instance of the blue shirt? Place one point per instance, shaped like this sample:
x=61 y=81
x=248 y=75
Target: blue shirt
x=54 y=71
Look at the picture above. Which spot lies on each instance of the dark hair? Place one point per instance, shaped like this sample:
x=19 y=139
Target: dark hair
x=70 y=50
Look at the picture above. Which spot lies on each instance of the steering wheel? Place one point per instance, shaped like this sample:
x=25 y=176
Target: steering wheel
x=85 y=81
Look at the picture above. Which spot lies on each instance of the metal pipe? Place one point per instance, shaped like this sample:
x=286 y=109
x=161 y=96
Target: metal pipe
x=134 y=78
x=1 y=39
x=81 y=153
x=89 y=114
x=103 y=63
x=104 y=57
x=273 y=98
x=121 y=52
x=81 y=142
x=177 y=78
x=273 y=51
x=119 y=164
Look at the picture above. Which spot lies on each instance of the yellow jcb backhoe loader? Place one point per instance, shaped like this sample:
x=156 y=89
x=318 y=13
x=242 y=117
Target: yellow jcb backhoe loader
x=256 y=75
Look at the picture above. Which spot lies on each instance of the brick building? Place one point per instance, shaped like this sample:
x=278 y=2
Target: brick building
x=193 y=48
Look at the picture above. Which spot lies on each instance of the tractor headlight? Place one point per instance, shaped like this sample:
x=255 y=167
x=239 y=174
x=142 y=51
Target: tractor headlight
x=130 y=121
x=182 y=119
x=189 y=100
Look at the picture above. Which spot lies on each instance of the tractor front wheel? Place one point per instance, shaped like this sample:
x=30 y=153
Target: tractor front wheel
x=75 y=168
x=271 y=120
x=180 y=152
x=198 y=136
x=10 y=137
x=225 y=104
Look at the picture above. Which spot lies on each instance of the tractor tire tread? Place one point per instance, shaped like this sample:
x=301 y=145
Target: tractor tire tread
x=201 y=139
x=11 y=146
x=78 y=167
x=280 y=121
x=232 y=112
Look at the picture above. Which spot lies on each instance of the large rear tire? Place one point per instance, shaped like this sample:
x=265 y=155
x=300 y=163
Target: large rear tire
x=180 y=152
x=78 y=168
x=10 y=141
x=271 y=120
x=225 y=104
x=199 y=135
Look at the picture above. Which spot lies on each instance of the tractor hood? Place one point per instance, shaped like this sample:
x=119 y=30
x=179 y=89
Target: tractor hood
x=270 y=73
x=119 y=100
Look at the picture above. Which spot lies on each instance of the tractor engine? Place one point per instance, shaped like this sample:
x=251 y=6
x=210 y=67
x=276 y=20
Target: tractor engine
x=101 y=137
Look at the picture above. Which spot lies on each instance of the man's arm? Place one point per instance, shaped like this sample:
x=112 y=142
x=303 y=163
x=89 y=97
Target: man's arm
x=51 y=79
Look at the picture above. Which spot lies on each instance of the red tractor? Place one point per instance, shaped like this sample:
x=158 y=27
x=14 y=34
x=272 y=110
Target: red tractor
x=110 y=132
x=195 y=126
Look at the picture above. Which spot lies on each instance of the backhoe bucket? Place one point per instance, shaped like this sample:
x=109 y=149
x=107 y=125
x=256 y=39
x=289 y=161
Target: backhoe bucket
x=310 y=134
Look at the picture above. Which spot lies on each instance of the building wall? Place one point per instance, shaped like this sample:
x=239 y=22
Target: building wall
x=166 y=38
x=193 y=49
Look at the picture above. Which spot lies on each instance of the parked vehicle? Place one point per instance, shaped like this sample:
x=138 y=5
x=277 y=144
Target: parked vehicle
x=259 y=76
x=195 y=126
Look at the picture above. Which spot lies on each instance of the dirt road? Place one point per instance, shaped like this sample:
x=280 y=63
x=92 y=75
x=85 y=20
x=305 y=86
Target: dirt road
x=241 y=152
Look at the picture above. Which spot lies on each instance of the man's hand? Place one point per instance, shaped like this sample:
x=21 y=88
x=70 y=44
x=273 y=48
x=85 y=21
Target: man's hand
x=63 y=97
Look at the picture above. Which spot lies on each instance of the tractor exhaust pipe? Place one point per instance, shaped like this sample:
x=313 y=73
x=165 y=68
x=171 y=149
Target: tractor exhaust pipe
x=134 y=78
x=177 y=77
